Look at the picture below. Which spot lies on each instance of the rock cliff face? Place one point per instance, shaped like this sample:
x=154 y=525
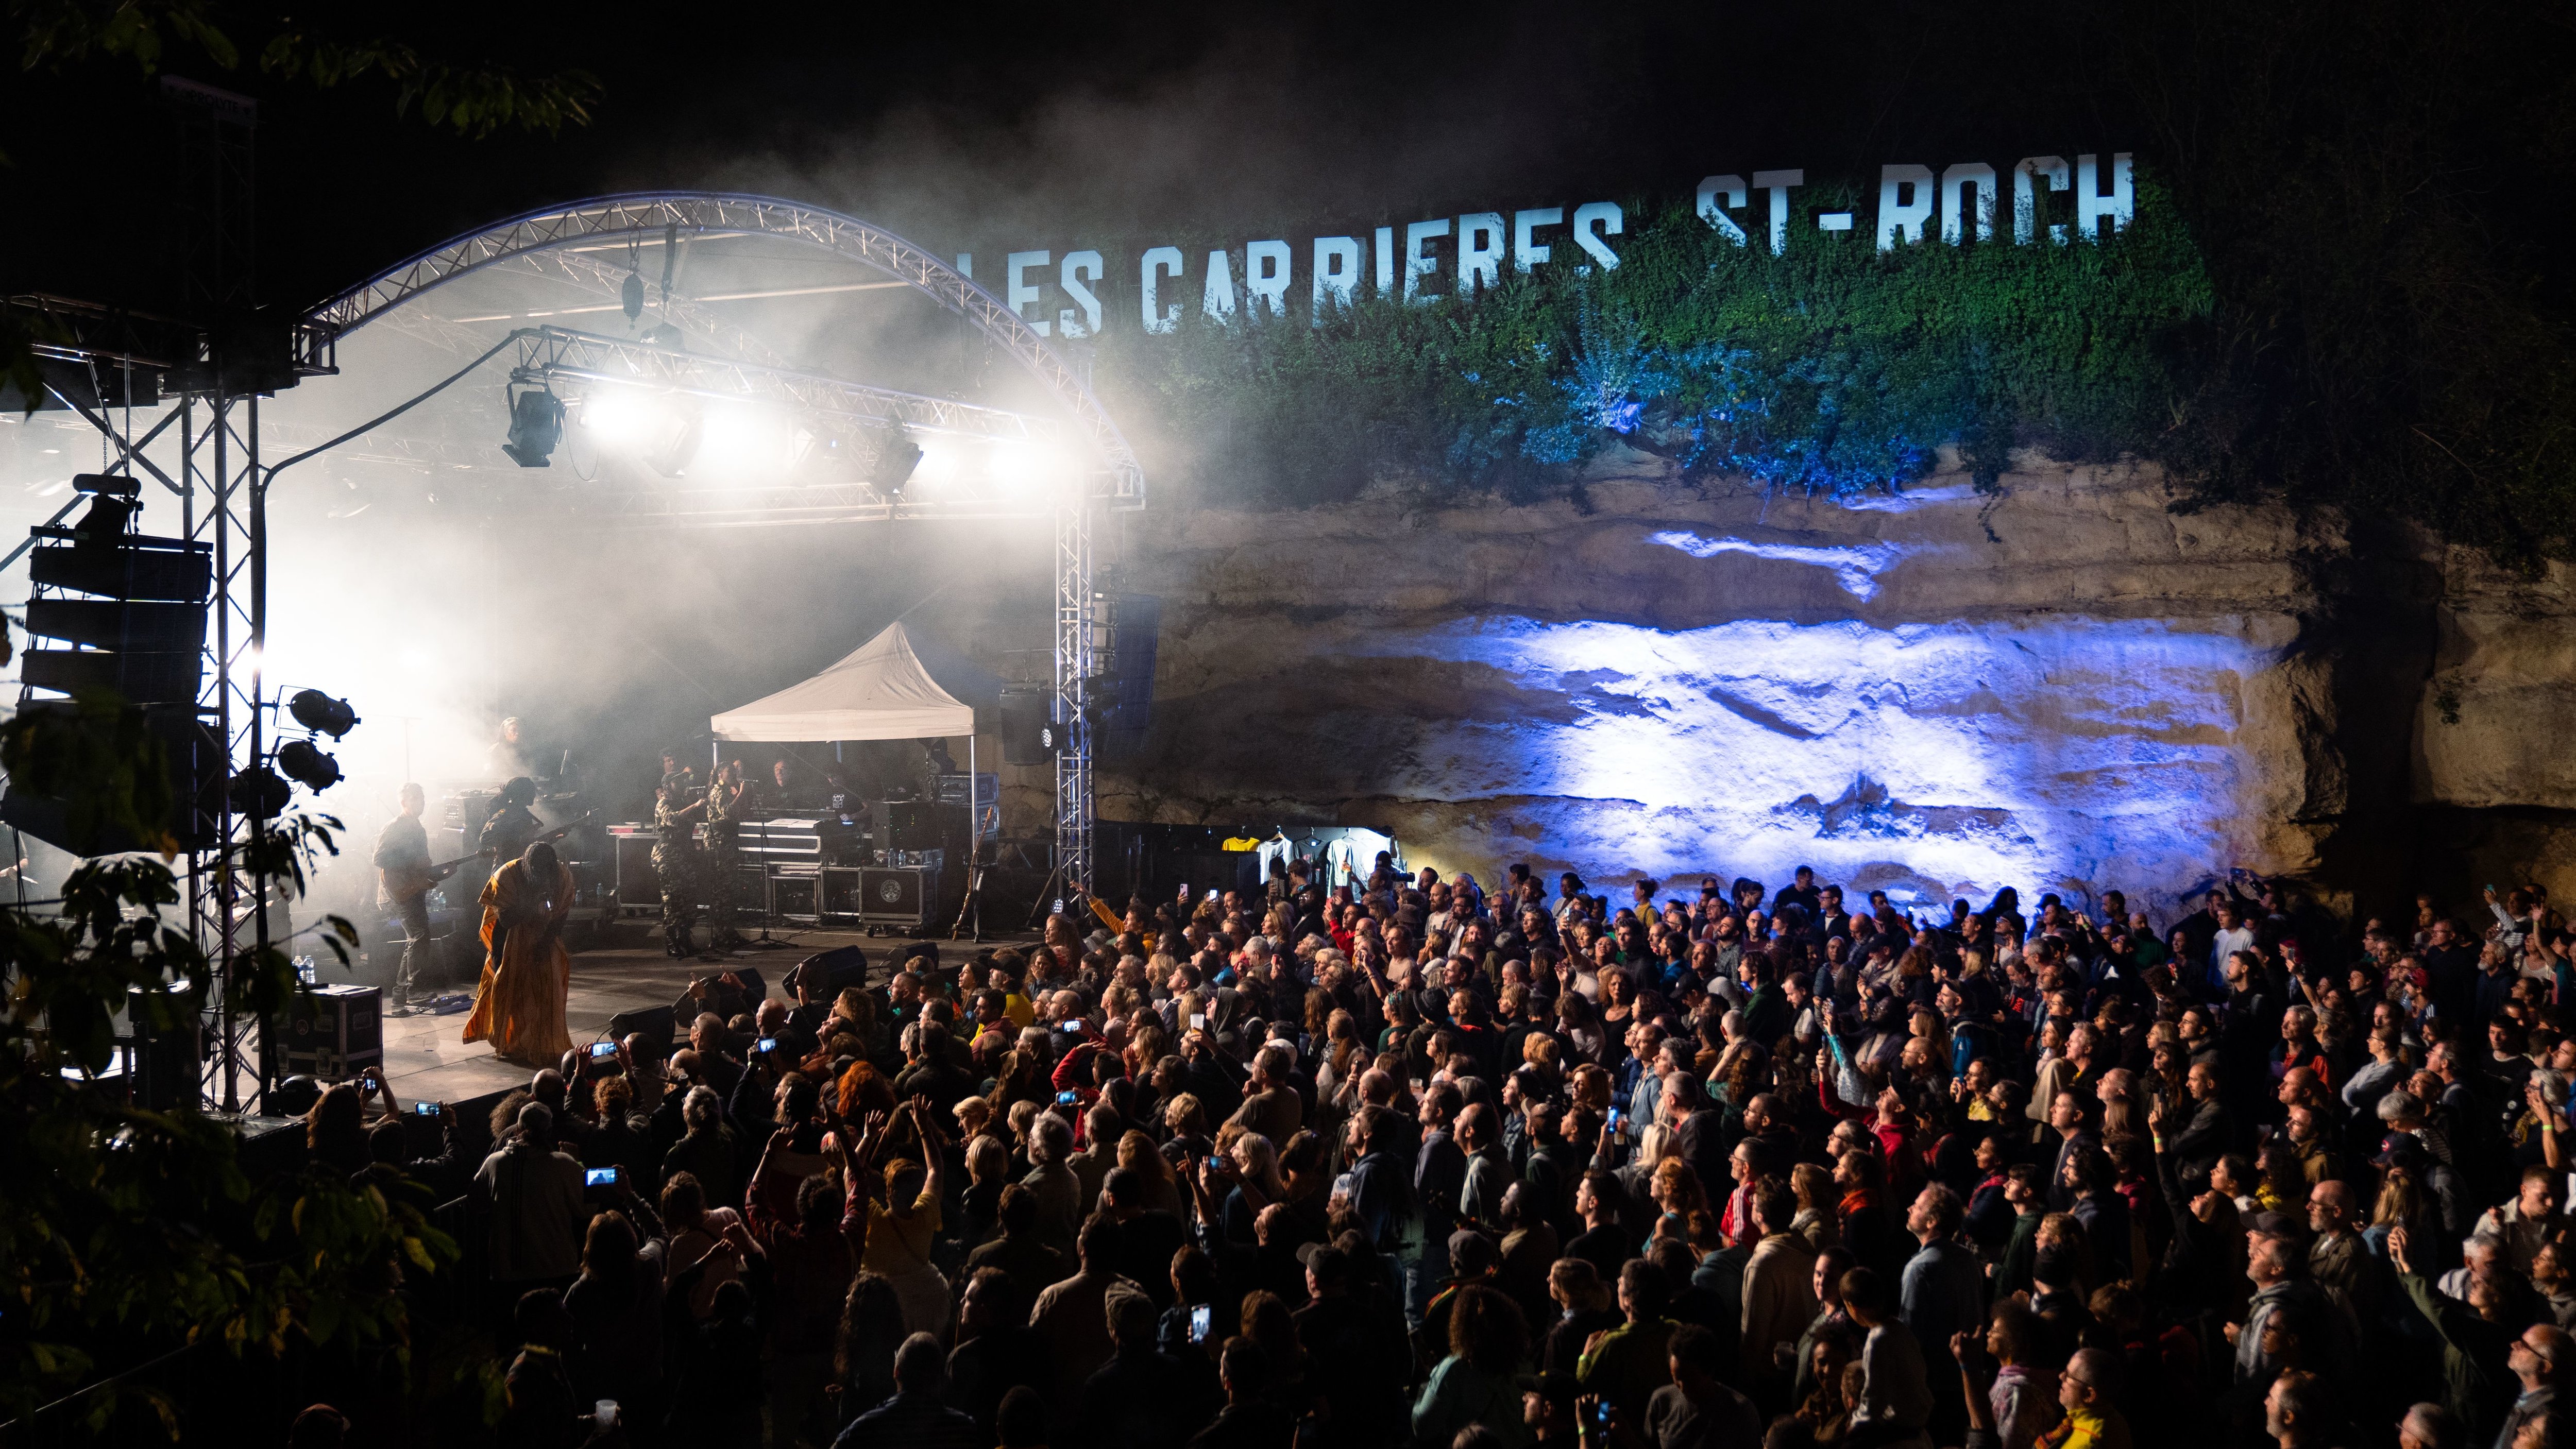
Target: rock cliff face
x=2494 y=751
x=2066 y=686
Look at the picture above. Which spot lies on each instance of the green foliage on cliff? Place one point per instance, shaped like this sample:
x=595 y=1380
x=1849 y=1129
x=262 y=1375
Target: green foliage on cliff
x=1833 y=367
x=2348 y=285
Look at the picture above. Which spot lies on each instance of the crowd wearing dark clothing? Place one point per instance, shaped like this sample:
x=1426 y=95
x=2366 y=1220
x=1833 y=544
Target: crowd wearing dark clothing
x=1412 y=1161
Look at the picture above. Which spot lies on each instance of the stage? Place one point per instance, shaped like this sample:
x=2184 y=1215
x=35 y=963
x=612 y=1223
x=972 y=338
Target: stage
x=424 y=1058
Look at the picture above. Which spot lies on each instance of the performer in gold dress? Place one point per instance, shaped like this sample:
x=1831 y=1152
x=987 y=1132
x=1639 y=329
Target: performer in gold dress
x=527 y=972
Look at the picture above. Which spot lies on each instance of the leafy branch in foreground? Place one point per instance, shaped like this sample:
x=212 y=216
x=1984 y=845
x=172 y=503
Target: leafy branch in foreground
x=127 y=1230
x=476 y=99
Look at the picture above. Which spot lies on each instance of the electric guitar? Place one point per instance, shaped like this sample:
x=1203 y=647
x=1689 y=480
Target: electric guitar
x=402 y=885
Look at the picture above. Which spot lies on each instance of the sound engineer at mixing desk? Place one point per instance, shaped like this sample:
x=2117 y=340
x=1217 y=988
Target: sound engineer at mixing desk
x=783 y=796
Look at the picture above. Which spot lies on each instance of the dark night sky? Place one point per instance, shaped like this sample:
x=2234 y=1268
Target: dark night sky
x=995 y=124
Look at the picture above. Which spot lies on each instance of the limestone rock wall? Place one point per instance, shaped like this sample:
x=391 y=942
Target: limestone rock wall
x=2066 y=686
x=2494 y=756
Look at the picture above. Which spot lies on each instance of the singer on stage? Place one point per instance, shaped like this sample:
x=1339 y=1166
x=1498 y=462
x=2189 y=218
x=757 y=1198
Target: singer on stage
x=527 y=974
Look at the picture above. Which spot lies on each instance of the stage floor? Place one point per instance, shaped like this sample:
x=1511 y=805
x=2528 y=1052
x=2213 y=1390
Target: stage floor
x=424 y=1058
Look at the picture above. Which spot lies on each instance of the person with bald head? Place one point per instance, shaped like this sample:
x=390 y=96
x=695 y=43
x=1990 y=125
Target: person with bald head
x=2338 y=1260
x=2538 y=1359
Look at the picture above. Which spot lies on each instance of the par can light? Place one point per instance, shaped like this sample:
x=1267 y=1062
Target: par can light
x=259 y=793
x=308 y=766
x=321 y=713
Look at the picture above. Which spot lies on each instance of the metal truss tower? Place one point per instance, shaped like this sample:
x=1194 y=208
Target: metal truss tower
x=219 y=496
x=1077 y=657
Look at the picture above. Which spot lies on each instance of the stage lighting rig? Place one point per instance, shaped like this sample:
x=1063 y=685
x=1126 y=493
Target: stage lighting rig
x=536 y=426
x=893 y=467
x=305 y=763
x=321 y=713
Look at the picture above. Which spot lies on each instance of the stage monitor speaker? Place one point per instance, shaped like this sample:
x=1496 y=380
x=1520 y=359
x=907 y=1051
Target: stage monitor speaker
x=829 y=972
x=655 y=1022
x=1027 y=736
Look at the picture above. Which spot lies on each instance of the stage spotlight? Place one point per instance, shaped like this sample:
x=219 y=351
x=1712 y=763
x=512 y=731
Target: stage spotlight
x=893 y=467
x=745 y=440
x=259 y=792
x=1021 y=466
x=310 y=768
x=619 y=415
x=321 y=713
x=536 y=425
x=671 y=458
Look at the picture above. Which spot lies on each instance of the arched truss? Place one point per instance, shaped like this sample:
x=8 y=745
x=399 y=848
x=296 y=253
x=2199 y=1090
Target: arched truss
x=539 y=239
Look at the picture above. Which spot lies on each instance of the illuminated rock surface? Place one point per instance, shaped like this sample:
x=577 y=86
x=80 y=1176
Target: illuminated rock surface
x=1941 y=693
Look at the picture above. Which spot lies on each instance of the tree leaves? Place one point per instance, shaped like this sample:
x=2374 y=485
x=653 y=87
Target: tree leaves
x=125 y=1226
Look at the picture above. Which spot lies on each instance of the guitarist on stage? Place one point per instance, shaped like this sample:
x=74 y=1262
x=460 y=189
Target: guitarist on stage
x=404 y=876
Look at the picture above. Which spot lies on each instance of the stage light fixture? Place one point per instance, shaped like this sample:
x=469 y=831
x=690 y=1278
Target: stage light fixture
x=893 y=467
x=321 y=713
x=305 y=763
x=745 y=440
x=258 y=792
x=672 y=458
x=536 y=425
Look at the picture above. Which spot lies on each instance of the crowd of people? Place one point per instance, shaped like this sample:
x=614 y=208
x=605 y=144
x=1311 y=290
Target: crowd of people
x=1412 y=1161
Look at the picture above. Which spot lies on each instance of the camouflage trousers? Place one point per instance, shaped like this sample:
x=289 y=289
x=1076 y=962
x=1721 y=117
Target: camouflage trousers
x=678 y=868
x=723 y=882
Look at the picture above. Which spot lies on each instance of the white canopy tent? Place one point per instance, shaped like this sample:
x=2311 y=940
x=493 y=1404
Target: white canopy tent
x=880 y=691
